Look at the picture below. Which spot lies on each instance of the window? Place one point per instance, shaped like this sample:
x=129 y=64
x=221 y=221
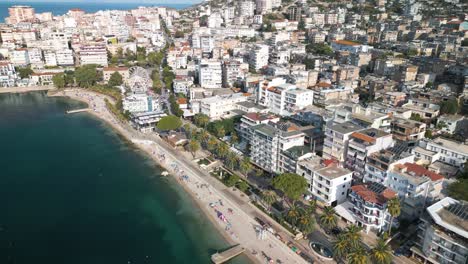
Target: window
x=342 y=193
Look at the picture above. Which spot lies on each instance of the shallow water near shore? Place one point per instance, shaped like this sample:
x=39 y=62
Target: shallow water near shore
x=72 y=191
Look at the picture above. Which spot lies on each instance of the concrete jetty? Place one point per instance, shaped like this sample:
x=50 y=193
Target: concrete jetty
x=25 y=89
x=226 y=255
x=78 y=110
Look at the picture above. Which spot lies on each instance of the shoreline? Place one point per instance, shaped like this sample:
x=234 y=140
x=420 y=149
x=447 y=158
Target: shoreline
x=193 y=196
x=26 y=89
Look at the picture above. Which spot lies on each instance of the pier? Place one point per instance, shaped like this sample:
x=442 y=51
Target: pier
x=78 y=110
x=226 y=255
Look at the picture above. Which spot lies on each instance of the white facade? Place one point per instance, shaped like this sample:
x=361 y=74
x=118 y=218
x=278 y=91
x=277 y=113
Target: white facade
x=337 y=139
x=451 y=152
x=264 y=6
x=283 y=98
x=140 y=103
x=210 y=74
x=217 y=106
x=65 y=57
x=246 y=8
x=19 y=57
x=267 y=143
x=8 y=74
x=258 y=57
x=93 y=55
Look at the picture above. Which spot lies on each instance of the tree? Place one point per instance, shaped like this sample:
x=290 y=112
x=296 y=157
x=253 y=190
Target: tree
x=394 y=209
x=193 y=146
x=188 y=130
x=428 y=134
x=220 y=132
x=306 y=223
x=242 y=185
x=245 y=166
x=212 y=144
x=293 y=214
x=59 y=80
x=269 y=197
x=459 y=189
x=201 y=120
x=115 y=79
x=291 y=184
x=222 y=150
x=234 y=138
x=449 y=107
x=232 y=160
x=381 y=253
x=169 y=122
x=155 y=58
x=320 y=49
x=341 y=247
x=358 y=256
x=353 y=236
x=328 y=218
x=69 y=78
x=231 y=180
x=24 y=72
x=86 y=76
x=416 y=117
x=175 y=109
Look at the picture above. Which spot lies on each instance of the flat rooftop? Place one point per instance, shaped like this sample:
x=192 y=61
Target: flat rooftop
x=345 y=128
x=452 y=145
x=333 y=172
x=451 y=214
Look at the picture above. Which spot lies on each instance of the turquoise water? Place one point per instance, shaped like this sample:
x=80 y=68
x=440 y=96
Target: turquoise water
x=73 y=191
x=60 y=7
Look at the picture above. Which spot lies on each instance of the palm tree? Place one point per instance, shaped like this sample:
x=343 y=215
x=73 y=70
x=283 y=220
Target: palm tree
x=353 y=235
x=188 y=130
x=328 y=218
x=232 y=160
x=381 y=253
x=234 y=138
x=201 y=120
x=358 y=256
x=341 y=247
x=204 y=136
x=293 y=214
x=313 y=204
x=245 y=166
x=305 y=222
x=269 y=197
x=394 y=209
x=222 y=150
x=220 y=131
x=212 y=144
x=193 y=146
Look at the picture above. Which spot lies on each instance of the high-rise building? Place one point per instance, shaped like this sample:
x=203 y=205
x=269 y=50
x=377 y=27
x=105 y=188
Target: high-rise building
x=210 y=74
x=264 y=6
x=20 y=13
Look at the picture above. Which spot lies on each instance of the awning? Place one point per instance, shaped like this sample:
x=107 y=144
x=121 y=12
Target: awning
x=344 y=210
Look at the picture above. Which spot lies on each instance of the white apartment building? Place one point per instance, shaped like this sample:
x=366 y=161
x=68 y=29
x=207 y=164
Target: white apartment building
x=65 y=57
x=450 y=123
x=35 y=57
x=246 y=8
x=369 y=206
x=182 y=84
x=258 y=57
x=50 y=58
x=19 y=57
x=264 y=6
x=378 y=164
x=8 y=74
x=327 y=182
x=248 y=121
x=140 y=103
x=269 y=140
x=93 y=54
x=416 y=186
x=283 y=98
x=232 y=73
x=363 y=143
x=451 y=152
x=443 y=233
x=424 y=108
x=218 y=106
x=337 y=139
x=210 y=74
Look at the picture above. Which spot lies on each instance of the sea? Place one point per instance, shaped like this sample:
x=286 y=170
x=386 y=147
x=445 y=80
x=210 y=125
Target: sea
x=73 y=191
x=62 y=7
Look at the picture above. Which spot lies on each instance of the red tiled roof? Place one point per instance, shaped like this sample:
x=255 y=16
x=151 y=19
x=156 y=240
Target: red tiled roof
x=363 y=137
x=421 y=171
x=182 y=101
x=373 y=197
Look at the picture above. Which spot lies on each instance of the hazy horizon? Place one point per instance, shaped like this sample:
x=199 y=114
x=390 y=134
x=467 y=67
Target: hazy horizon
x=112 y=1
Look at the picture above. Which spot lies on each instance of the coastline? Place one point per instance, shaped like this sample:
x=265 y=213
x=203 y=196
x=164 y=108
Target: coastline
x=26 y=89
x=193 y=196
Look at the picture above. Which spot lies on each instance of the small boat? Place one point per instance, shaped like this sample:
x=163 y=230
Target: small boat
x=165 y=173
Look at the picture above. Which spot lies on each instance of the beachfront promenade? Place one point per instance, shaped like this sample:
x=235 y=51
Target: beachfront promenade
x=230 y=213
x=25 y=89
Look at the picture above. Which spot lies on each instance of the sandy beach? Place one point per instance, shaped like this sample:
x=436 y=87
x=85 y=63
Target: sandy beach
x=221 y=207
